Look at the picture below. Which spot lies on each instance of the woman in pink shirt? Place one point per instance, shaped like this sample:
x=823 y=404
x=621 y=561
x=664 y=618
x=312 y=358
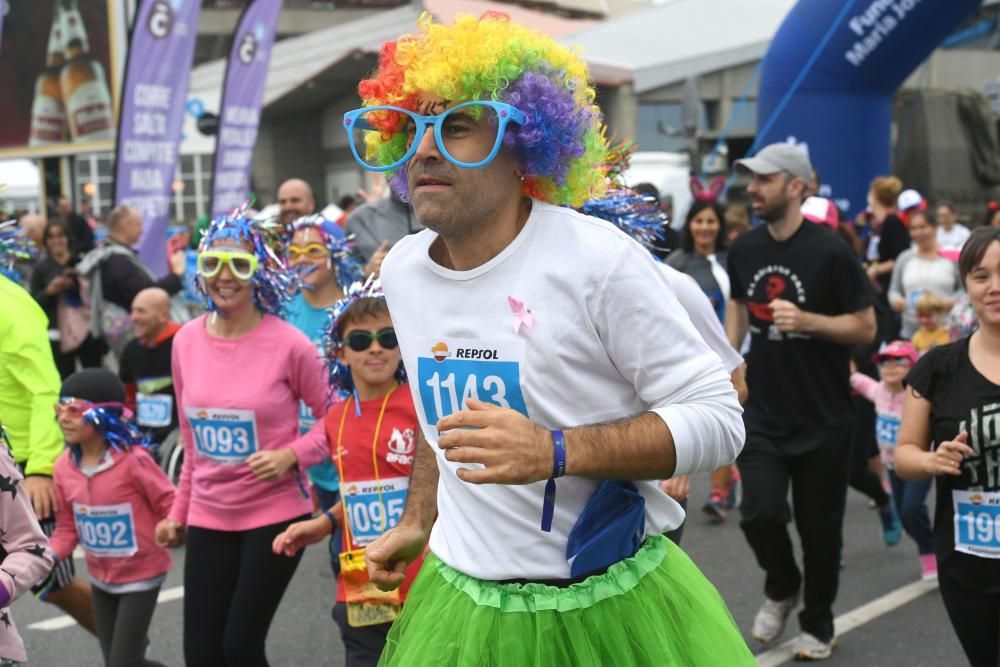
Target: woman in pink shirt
x=239 y=373
x=110 y=495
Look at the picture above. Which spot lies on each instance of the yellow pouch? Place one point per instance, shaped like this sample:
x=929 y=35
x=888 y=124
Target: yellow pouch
x=366 y=603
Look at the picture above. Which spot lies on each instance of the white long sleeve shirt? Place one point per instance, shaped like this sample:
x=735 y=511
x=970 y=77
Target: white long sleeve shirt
x=607 y=340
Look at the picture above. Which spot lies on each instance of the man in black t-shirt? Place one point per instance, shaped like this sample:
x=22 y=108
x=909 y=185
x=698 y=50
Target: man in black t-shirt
x=800 y=291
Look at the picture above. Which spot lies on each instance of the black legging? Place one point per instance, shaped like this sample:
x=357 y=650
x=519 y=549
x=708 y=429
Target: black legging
x=976 y=618
x=233 y=584
x=863 y=447
x=122 y=626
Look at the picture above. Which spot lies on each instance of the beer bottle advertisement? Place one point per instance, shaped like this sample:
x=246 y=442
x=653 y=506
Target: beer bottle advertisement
x=57 y=58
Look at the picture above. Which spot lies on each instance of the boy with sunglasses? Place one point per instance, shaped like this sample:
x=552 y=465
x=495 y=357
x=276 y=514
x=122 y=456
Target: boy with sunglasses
x=372 y=438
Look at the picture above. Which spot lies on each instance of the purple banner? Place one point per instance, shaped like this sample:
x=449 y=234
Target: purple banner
x=152 y=114
x=242 y=96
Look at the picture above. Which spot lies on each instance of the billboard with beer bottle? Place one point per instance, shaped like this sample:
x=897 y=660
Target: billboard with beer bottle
x=58 y=64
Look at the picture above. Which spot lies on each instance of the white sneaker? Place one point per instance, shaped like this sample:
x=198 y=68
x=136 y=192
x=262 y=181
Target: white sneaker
x=808 y=647
x=770 y=620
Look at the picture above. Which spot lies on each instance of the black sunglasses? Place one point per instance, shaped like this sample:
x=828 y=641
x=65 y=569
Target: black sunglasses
x=359 y=341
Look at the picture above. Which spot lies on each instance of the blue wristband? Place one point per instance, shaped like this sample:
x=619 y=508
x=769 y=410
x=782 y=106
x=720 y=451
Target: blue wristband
x=558 y=454
x=558 y=470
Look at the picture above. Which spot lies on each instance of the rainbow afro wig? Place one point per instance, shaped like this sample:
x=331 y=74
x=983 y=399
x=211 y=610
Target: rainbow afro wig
x=561 y=148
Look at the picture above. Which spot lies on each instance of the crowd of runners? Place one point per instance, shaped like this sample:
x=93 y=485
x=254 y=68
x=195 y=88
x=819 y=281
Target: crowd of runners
x=496 y=421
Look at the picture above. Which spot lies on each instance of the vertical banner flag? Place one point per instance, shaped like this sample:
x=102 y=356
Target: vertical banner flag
x=242 y=96
x=152 y=114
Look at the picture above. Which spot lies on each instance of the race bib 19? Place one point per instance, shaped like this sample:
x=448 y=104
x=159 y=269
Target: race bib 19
x=887 y=429
x=224 y=435
x=370 y=512
x=106 y=531
x=154 y=410
x=451 y=371
x=977 y=522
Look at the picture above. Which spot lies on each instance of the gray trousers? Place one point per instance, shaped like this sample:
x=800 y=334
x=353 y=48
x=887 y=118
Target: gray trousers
x=122 y=625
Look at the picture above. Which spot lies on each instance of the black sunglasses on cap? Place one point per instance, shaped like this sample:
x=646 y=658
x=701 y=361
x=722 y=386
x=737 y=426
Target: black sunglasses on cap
x=359 y=340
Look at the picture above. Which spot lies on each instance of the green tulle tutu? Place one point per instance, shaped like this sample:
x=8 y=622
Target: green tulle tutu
x=655 y=608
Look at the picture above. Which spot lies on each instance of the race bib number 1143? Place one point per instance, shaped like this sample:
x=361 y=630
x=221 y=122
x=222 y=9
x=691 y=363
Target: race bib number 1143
x=456 y=370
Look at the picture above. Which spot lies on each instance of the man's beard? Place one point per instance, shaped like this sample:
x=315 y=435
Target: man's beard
x=774 y=213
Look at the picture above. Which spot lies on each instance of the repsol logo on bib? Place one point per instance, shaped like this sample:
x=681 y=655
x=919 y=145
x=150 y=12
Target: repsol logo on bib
x=440 y=351
x=474 y=353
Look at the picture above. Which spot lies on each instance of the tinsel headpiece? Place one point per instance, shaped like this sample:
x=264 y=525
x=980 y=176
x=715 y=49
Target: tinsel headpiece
x=272 y=284
x=636 y=214
x=15 y=246
x=343 y=257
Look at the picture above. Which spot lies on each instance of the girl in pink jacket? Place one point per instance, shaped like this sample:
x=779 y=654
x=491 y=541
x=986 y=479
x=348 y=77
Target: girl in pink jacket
x=24 y=546
x=110 y=496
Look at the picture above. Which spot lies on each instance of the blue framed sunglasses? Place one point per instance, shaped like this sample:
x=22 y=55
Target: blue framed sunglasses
x=468 y=134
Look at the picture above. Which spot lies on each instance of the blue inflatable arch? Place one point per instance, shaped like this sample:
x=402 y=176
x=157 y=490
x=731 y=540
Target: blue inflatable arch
x=829 y=76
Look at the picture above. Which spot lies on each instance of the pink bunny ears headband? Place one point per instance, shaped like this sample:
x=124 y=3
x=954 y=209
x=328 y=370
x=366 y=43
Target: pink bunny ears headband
x=711 y=193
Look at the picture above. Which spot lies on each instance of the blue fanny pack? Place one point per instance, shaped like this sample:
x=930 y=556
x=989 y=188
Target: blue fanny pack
x=610 y=528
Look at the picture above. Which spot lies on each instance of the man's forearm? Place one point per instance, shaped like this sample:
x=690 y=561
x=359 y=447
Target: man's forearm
x=421 y=499
x=847 y=329
x=737 y=323
x=640 y=447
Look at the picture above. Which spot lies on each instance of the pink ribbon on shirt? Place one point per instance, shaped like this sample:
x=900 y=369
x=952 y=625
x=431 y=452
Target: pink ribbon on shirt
x=522 y=316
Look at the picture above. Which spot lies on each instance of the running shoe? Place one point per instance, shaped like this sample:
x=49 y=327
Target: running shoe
x=892 y=529
x=928 y=567
x=716 y=506
x=770 y=620
x=810 y=647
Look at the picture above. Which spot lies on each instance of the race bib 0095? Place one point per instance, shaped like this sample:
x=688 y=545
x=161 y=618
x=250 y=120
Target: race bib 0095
x=223 y=435
x=106 y=531
x=451 y=371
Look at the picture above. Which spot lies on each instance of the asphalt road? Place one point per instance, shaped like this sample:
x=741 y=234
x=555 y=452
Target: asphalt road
x=915 y=634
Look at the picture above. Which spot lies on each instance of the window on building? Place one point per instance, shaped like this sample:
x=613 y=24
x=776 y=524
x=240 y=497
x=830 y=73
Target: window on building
x=744 y=117
x=661 y=124
x=94 y=175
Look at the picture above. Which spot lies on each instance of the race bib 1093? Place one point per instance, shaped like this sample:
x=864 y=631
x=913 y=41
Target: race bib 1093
x=224 y=435
x=106 y=531
x=451 y=371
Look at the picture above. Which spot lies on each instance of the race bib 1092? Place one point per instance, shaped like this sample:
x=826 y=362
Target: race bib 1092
x=451 y=371
x=106 y=531
x=224 y=435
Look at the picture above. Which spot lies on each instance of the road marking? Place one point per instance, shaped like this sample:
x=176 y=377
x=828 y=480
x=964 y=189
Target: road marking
x=855 y=618
x=66 y=621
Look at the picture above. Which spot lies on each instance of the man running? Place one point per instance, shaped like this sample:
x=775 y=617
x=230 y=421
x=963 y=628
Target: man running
x=534 y=335
x=802 y=294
